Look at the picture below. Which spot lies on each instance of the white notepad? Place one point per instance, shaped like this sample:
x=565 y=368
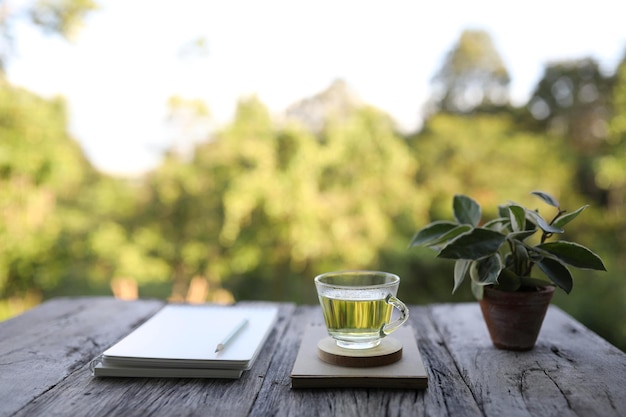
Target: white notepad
x=180 y=341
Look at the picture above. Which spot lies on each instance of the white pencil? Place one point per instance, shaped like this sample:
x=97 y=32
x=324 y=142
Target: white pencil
x=231 y=335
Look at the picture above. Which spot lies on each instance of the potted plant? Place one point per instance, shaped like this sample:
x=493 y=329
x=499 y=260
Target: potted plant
x=500 y=257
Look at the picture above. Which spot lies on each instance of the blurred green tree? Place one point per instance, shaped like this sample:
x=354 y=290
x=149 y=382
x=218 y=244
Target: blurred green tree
x=478 y=155
x=610 y=167
x=295 y=203
x=572 y=100
x=62 y=17
x=40 y=168
x=337 y=102
x=473 y=77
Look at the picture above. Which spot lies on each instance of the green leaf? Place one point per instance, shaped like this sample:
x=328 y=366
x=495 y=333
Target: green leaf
x=557 y=272
x=477 y=290
x=460 y=270
x=476 y=244
x=530 y=225
x=521 y=236
x=530 y=282
x=534 y=217
x=508 y=280
x=498 y=224
x=431 y=232
x=563 y=220
x=450 y=235
x=517 y=214
x=466 y=210
x=574 y=254
x=536 y=255
x=485 y=271
x=547 y=198
x=521 y=258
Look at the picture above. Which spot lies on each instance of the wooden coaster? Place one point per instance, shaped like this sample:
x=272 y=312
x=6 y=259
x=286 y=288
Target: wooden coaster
x=388 y=351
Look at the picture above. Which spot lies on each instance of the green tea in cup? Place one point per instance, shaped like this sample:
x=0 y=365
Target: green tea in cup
x=357 y=306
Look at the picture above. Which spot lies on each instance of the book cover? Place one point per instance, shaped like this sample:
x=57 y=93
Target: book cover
x=99 y=369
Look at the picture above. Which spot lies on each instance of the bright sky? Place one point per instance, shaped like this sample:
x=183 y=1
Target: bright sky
x=125 y=63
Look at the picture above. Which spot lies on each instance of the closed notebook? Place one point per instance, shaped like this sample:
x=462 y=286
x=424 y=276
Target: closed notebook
x=181 y=340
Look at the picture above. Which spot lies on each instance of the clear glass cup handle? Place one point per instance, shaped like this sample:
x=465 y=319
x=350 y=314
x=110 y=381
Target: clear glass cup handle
x=404 y=316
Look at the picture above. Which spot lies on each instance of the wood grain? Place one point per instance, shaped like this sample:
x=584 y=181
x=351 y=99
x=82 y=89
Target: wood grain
x=443 y=398
x=42 y=347
x=44 y=356
x=82 y=395
x=570 y=372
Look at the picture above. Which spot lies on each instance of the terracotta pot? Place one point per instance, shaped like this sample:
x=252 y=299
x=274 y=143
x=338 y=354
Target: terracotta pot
x=515 y=318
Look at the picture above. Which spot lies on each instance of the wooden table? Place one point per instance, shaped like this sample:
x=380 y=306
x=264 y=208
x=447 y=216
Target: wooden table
x=44 y=357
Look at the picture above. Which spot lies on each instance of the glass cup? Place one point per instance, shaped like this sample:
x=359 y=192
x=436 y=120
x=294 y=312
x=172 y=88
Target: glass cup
x=358 y=305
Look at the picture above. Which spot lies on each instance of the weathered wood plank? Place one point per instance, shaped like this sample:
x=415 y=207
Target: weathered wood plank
x=447 y=394
x=41 y=347
x=44 y=357
x=81 y=394
x=570 y=372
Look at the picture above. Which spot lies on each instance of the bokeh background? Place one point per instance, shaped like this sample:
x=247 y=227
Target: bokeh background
x=205 y=153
